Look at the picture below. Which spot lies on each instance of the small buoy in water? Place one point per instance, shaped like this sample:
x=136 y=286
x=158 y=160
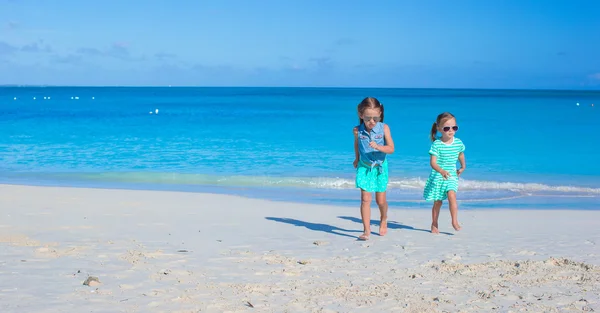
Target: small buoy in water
x=33 y=98
x=592 y=105
x=156 y=111
x=577 y=103
x=45 y=98
x=93 y=98
x=71 y=98
x=15 y=98
x=151 y=112
x=48 y=98
x=76 y=98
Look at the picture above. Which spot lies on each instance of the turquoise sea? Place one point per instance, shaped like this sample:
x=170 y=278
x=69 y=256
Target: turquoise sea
x=524 y=149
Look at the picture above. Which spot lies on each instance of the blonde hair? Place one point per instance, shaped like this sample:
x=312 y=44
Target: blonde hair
x=440 y=120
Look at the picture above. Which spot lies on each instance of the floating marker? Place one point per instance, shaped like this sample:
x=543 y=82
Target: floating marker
x=15 y=98
x=76 y=98
x=151 y=112
x=33 y=98
x=45 y=98
x=48 y=98
x=93 y=98
x=156 y=111
x=71 y=98
x=577 y=103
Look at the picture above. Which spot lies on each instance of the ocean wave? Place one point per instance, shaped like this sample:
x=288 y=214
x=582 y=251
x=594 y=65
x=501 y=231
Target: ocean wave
x=321 y=182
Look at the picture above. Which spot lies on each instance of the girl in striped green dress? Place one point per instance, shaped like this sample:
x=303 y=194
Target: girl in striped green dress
x=442 y=183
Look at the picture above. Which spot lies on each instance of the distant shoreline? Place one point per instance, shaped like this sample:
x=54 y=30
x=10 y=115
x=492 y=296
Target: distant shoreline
x=304 y=87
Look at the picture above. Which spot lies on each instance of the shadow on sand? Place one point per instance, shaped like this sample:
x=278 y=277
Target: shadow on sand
x=315 y=226
x=391 y=225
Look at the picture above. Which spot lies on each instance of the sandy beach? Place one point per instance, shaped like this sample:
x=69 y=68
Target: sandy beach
x=157 y=251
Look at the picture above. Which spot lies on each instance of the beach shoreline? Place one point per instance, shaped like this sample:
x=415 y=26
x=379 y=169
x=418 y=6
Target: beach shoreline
x=165 y=251
x=397 y=198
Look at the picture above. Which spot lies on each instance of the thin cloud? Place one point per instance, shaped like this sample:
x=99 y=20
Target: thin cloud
x=364 y=66
x=120 y=44
x=68 y=59
x=339 y=44
x=89 y=51
x=6 y=49
x=344 y=42
x=36 y=48
x=12 y=25
x=289 y=64
x=595 y=76
x=212 y=69
x=165 y=56
x=322 y=63
x=118 y=50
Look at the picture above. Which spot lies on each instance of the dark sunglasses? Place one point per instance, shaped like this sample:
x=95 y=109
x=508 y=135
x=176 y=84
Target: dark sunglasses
x=375 y=118
x=447 y=128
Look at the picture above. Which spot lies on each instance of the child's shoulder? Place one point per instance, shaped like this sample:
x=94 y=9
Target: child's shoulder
x=457 y=141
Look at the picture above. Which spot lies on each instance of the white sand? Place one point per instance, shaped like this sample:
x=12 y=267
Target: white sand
x=283 y=257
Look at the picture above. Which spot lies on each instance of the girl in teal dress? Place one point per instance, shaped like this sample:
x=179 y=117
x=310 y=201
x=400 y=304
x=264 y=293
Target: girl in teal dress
x=442 y=183
x=372 y=143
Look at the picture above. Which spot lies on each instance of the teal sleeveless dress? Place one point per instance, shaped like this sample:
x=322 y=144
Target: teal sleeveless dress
x=372 y=169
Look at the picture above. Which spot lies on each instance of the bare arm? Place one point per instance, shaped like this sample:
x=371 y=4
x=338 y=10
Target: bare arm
x=434 y=165
x=461 y=160
x=388 y=148
x=437 y=168
x=463 y=163
x=356 y=153
x=355 y=131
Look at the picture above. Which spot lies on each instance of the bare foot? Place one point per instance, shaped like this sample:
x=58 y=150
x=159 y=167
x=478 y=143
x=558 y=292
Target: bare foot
x=456 y=226
x=383 y=227
x=364 y=237
x=434 y=228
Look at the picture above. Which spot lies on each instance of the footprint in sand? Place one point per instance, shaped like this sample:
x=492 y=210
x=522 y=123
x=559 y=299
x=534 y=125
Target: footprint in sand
x=494 y=255
x=453 y=257
x=526 y=252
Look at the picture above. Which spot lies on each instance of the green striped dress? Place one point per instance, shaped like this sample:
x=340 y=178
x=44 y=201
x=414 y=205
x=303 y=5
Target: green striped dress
x=436 y=187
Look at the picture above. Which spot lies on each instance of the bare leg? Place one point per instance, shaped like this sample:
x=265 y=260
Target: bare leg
x=380 y=198
x=365 y=213
x=435 y=214
x=453 y=209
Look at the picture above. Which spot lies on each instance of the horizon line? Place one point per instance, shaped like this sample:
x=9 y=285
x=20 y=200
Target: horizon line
x=292 y=87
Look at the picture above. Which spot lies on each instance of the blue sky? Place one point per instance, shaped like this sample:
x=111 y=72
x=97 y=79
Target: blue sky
x=413 y=44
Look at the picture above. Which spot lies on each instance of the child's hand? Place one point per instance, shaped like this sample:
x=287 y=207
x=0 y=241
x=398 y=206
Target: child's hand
x=445 y=174
x=373 y=145
x=355 y=163
x=459 y=171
